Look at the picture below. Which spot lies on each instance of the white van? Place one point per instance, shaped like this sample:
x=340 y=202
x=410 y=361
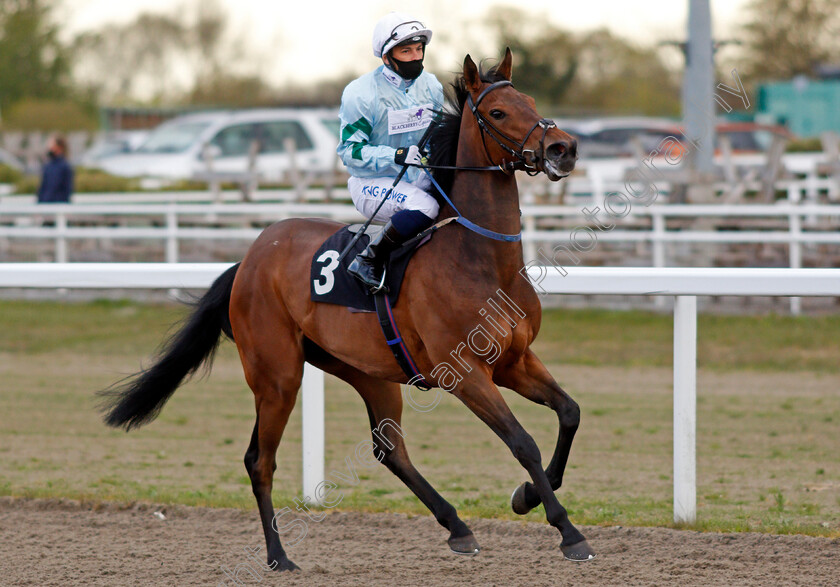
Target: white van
x=178 y=148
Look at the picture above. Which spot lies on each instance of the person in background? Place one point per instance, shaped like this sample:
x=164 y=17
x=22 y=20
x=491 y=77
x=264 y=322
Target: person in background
x=57 y=177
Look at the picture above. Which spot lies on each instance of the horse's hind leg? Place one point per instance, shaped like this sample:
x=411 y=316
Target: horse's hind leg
x=274 y=402
x=272 y=358
x=384 y=405
x=531 y=379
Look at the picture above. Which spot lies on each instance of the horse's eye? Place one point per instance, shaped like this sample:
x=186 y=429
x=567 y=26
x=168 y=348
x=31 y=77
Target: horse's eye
x=497 y=114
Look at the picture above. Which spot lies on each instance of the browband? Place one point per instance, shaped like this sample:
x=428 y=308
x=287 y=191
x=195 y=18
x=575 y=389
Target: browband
x=487 y=90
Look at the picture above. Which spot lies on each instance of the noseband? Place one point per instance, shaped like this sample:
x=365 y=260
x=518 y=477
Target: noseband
x=526 y=159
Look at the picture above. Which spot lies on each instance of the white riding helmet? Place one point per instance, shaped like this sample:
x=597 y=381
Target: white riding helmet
x=394 y=28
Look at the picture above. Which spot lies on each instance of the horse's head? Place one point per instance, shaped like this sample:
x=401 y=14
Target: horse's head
x=514 y=136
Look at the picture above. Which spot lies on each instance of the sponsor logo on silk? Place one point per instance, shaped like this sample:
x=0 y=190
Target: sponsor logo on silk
x=375 y=191
x=410 y=119
x=392 y=77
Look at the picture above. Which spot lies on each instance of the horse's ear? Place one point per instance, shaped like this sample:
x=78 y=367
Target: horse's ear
x=506 y=66
x=471 y=78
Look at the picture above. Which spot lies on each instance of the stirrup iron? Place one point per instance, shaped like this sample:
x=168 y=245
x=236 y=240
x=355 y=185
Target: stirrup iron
x=381 y=288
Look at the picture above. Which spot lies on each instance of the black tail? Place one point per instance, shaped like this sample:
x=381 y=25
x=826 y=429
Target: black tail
x=139 y=398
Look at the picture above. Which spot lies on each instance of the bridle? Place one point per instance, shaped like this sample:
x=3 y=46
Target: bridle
x=525 y=159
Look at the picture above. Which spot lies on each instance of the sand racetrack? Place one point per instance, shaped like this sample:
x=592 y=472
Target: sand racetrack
x=62 y=542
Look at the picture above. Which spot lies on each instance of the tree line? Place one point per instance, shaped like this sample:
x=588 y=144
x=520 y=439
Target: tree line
x=192 y=59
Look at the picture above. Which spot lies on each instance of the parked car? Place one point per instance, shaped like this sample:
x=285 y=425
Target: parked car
x=9 y=160
x=111 y=144
x=179 y=148
x=751 y=137
x=614 y=137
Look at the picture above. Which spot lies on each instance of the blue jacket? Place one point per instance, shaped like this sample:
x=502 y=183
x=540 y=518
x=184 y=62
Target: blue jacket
x=380 y=112
x=56 y=181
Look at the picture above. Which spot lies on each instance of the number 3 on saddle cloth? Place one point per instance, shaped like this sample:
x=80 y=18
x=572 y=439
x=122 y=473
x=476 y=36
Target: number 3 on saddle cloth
x=330 y=283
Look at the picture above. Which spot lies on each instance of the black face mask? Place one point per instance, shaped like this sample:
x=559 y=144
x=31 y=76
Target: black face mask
x=408 y=70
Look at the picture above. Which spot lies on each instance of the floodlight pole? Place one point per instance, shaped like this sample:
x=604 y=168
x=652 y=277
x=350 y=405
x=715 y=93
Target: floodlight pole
x=698 y=101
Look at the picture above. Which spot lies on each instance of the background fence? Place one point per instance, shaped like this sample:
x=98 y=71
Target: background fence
x=800 y=232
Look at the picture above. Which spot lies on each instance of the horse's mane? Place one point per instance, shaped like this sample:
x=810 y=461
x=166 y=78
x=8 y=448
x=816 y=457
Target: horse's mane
x=443 y=144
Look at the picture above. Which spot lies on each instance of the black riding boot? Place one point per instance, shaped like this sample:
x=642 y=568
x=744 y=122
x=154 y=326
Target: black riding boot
x=369 y=265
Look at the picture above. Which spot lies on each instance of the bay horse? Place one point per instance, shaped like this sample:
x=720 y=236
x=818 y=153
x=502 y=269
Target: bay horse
x=264 y=305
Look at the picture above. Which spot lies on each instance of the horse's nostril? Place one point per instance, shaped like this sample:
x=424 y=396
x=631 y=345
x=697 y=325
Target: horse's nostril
x=553 y=151
x=562 y=150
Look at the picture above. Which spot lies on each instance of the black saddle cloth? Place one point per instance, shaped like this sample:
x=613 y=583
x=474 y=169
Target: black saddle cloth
x=330 y=283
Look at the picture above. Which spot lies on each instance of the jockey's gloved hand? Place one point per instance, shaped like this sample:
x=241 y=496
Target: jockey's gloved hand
x=409 y=156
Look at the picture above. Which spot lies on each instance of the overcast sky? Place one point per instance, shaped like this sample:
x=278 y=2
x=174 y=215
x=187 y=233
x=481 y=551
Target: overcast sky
x=304 y=41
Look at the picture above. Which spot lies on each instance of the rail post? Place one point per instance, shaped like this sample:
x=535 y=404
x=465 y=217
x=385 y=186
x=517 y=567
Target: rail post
x=795 y=244
x=295 y=176
x=60 y=237
x=312 y=431
x=658 y=247
x=172 y=242
x=171 y=234
x=685 y=409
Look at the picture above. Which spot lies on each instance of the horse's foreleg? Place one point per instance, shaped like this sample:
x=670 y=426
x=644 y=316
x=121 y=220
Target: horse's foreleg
x=487 y=403
x=531 y=380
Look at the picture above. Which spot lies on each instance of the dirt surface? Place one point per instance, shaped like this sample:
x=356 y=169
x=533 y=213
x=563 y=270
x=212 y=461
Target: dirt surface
x=62 y=542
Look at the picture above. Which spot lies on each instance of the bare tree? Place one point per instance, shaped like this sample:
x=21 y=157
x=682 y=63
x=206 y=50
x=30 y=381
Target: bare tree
x=207 y=33
x=784 y=38
x=138 y=59
x=618 y=76
x=594 y=71
x=546 y=58
x=33 y=62
x=187 y=57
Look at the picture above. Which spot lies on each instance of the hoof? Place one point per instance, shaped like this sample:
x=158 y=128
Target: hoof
x=578 y=552
x=517 y=501
x=464 y=545
x=285 y=565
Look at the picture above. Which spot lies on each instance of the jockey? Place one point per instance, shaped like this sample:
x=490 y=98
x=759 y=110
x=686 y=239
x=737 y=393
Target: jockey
x=383 y=115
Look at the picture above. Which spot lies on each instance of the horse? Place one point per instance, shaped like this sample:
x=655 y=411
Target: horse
x=263 y=304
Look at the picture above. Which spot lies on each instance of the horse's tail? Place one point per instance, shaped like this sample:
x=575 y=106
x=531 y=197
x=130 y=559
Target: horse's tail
x=138 y=399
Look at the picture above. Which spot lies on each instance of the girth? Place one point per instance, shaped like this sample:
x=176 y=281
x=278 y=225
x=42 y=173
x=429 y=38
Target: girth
x=395 y=342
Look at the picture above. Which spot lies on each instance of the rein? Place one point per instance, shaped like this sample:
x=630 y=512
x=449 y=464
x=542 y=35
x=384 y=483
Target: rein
x=503 y=167
x=469 y=224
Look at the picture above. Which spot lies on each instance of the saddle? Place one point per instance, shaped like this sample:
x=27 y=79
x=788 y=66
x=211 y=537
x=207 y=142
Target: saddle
x=330 y=283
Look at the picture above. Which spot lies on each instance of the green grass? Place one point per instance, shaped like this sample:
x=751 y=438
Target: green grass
x=98 y=328
x=643 y=339
x=767 y=422
x=577 y=337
